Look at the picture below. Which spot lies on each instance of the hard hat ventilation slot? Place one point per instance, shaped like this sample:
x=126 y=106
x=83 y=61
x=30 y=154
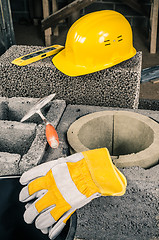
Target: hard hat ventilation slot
x=107 y=43
x=120 y=38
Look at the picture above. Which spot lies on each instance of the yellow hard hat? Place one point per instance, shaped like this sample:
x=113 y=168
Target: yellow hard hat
x=94 y=42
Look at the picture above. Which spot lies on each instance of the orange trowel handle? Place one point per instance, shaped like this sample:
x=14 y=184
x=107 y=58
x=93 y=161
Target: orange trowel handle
x=52 y=136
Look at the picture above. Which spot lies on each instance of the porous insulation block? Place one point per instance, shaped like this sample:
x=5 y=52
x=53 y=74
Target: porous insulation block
x=117 y=86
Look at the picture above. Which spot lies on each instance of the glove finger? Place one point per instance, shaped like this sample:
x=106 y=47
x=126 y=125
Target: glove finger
x=24 y=195
x=57 y=228
x=45 y=231
x=39 y=171
x=53 y=233
x=27 y=205
x=31 y=212
x=45 y=220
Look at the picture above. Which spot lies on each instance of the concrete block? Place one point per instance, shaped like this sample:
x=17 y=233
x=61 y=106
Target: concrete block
x=122 y=132
x=37 y=152
x=117 y=86
x=19 y=106
x=3 y=110
x=74 y=112
x=9 y=164
x=132 y=216
x=26 y=139
x=16 y=137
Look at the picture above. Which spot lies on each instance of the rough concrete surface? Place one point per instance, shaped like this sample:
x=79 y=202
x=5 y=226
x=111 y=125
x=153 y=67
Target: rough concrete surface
x=16 y=137
x=132 y=216
x=9 y=163
x=3 y=110
x=122 y=132
x=149 y=104
x=74 y=112
x=109 y=87
x=27 y=139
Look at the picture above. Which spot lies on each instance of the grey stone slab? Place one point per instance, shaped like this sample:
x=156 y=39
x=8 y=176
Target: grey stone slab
x=117 y=86
x=9 y=163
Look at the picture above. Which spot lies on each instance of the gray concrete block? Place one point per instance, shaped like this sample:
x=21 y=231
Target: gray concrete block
x=132 y=216
x=16 y=137
x=122 y=132
x=73 y=113
x=3 y=109
x=117 y=86
x=27 y=139
x=9 y=164
x=19 y=106
x=37 y=152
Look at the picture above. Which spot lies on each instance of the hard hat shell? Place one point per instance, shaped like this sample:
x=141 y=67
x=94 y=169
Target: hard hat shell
x=94 y=42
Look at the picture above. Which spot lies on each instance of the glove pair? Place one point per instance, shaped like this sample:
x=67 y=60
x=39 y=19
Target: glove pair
x=57 y=188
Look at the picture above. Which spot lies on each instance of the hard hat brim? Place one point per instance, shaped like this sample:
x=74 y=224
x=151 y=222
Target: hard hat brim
x=68 y=67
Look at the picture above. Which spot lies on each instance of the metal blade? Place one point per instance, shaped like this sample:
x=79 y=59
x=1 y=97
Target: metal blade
x=40 y=104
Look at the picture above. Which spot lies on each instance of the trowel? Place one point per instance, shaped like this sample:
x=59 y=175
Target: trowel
x=51 y=134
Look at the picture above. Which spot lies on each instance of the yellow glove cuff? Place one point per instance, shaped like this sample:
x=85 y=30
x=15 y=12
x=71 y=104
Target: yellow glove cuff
x=109 y=180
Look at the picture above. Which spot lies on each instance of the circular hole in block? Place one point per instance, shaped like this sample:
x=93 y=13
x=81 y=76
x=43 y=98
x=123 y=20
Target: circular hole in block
x=131 y=138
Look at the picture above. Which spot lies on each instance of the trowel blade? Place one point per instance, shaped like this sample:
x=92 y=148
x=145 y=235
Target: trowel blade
x=40 y=104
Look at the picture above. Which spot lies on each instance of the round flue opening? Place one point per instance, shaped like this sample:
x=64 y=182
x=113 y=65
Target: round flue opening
x=123 y=135
x=131 y=138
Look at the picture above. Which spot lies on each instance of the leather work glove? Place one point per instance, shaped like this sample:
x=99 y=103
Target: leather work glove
x=61 y=186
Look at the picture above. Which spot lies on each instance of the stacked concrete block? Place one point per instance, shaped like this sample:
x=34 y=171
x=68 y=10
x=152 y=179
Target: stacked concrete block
x=16 y=137
x=23 y=145
x=37 y=151
x=117 y=86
